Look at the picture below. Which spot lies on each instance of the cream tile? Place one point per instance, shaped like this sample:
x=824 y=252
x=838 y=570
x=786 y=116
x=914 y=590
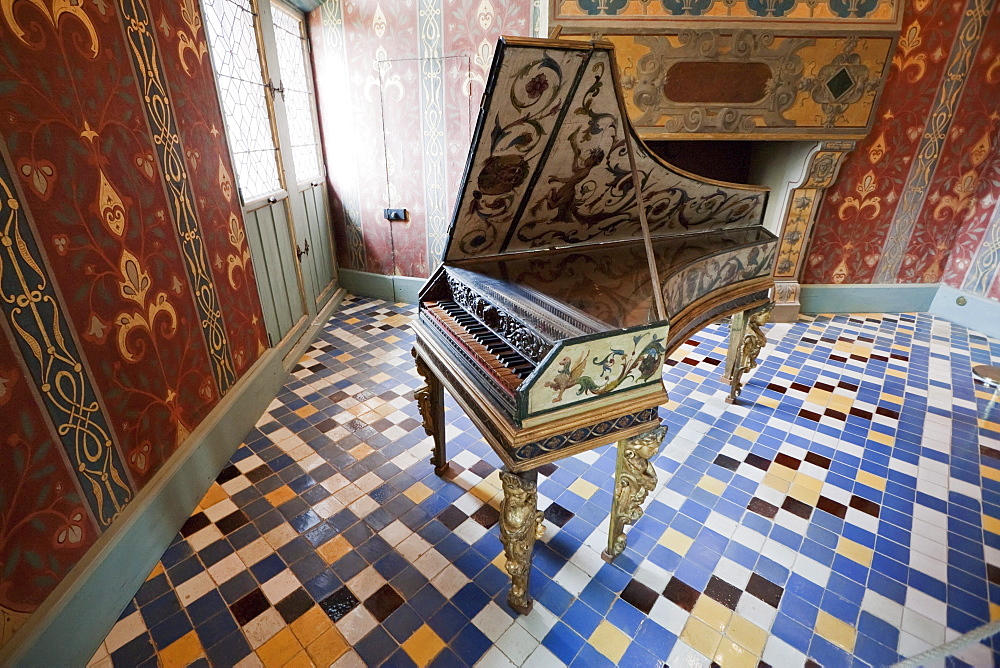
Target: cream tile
x=263 y=627
x=366 y=583
x=492 y=621
x=356 y=624
x=517 y=644
x=124 y=631
x=227 y=567
x=280 y=586
x=191 y=590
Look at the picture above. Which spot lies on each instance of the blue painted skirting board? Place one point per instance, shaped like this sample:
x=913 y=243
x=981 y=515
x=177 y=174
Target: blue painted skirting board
x=978 y=313
x=390 y=288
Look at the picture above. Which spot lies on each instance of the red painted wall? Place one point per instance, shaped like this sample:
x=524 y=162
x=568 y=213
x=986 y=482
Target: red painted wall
x=92 y=193
x=946 y=240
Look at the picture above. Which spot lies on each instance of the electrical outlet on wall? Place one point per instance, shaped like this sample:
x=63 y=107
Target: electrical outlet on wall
x=396 y=214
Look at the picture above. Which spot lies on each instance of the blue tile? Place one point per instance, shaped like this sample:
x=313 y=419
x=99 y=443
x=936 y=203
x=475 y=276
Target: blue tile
x=562 y=641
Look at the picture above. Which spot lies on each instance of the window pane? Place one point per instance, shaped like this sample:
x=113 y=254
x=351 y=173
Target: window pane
x=233 y=40
x=299 y=104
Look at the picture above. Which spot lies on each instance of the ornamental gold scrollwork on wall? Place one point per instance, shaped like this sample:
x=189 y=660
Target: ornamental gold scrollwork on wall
x=55 y=15
x=842 y=82
x=653 y=70
x=134 y=285
x=635 y=478
x=168 y=147
x=42 y=334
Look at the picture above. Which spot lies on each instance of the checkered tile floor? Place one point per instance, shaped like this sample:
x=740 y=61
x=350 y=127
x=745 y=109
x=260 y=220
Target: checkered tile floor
x=846 y=512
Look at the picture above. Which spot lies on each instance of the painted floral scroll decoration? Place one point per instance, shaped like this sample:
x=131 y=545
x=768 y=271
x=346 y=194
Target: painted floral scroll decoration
x=613 y=369
x=533 y=97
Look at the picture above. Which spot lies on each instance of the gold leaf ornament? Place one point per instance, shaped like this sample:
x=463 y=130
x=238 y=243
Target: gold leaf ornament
x=111 y=206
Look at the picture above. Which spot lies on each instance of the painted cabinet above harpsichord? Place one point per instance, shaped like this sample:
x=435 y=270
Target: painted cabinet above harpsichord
x=744 y=69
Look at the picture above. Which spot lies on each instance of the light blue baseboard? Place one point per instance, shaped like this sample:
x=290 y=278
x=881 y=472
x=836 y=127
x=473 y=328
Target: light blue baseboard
x=70 y=625
x=978 y=313
x=862 y=298
x=390 y=288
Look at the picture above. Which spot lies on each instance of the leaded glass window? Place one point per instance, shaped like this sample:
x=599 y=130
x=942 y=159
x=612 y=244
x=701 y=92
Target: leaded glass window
x=299 y=103
x=233 y=40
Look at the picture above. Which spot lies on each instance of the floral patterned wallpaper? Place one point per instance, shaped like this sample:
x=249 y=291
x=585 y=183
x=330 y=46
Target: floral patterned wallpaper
x=916 y=202
x=128 y=300
x=399 y=85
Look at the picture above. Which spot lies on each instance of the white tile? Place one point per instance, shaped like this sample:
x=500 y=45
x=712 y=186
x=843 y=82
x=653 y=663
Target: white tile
x=470 y=531
x=538 y=622
x=922 y=627
x=926 y=605
x=882 y=607
x=368 y=482
x=492 y=621
x=356 y=624
x=494 y=658
x=684 y=656
x=366 y=583
x=469 y=503
x=517 y=644
x=430 y=563
x=412 y=547
x=350 y=659
x=395 y=533
x=124 y=631
x=201 y=539
x=280 y=586
x=237 y=484
x=779 y=653
x=364 y=506
x=572 y=579
x=227 y=567
x=249 y=463
x=450 y=581
x=756 y=610
x=191 y=590
x=730 y=571
x=669 y=615
x=542 y=658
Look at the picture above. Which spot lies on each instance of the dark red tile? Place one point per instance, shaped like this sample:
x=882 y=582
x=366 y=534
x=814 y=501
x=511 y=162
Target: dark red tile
x=765 y=590
x=384 y=602
x=762 y=507
x=723 y=592
x=864 y=505
x=639 y=596
x=833 y=507
x=818 y=460
x=681 y=593
x=249 y=607
x=796 y=507
x=787 y=460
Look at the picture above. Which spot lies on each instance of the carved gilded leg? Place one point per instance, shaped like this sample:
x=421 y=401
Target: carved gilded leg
x=737 y=330
x=430 y=401
x=753 y=342
x=520 y=525
x=634 y=479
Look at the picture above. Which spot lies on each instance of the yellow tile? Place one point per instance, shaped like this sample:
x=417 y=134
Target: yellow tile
x=731 y=655
x=991 y=524
x=788 y=369
x=879 y=437
x=300 y=660
x=583 y=488
x=841 y=403
x=182 y=651
x=774 y=482
x=891 y=397
x=746 y=433
x=361 y=451
x=818 y=397
x=989 y=472
x=380 y=377
x=417 y=492
x=306 y=411
x=804 y=494
x=855 y=551
x=279 y=649
x=802 y=349
x=782 y=471
x=609 y=641
x=872 y=480
x=484 y=491
x=311 y=625
x=712 y=485
x=767 y=401
x=280 y=495
x=839 y=633
x=157 y=569
x=747 y=634
x=896 y=373
x=214 y=494
x=423 y=645
x=989 y=424
x=392 y=339
x=676 y=541
x=808 y=481
x=500 y=561
x=334 y=549
x=327 y=648
x=712 y=613
x=700 y=637
x=345 y=357
x=352 y=321
x=994 y=612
